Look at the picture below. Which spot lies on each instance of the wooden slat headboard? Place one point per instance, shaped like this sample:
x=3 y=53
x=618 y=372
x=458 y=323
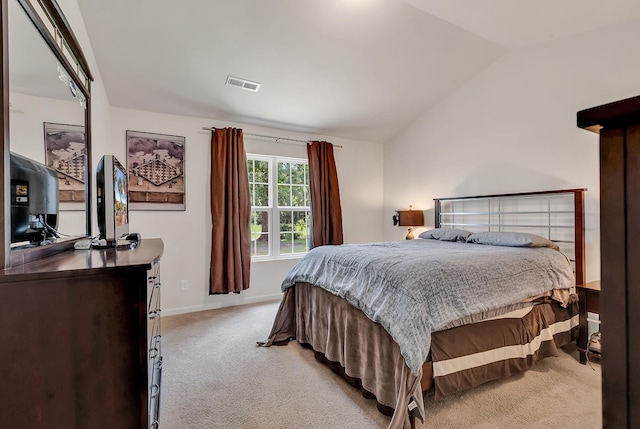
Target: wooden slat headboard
x=556 y=215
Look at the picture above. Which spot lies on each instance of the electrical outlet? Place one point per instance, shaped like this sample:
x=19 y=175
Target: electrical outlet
x=184 y=284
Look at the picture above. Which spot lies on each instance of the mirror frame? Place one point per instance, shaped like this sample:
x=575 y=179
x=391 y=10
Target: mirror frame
x=51 y=24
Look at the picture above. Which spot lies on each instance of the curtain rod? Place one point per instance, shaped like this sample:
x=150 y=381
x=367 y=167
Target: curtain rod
x=273 y=137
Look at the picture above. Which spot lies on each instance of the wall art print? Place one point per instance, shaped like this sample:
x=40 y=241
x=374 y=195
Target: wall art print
x=155 y=168
x=65 y=152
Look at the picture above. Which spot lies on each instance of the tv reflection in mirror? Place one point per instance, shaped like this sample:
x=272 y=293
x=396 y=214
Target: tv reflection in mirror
x=113 y=211
x=34 y=202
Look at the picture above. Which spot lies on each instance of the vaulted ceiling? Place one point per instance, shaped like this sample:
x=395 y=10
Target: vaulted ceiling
x=359 y=69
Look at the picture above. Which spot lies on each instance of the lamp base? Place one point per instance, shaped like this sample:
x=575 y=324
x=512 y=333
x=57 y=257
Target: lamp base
x=409 y=234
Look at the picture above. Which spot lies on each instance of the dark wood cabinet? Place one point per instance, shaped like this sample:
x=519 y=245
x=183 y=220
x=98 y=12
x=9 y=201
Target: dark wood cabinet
x=80 y=340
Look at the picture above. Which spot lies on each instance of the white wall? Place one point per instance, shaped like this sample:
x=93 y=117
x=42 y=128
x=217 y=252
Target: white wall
x=513 y=129
x=510 y=129
x=186 y=234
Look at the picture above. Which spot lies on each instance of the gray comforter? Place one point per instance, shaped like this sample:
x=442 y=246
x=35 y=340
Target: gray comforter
x=415 y=287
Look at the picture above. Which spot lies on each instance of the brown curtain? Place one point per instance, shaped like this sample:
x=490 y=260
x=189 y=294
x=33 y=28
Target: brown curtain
x=230 y=213
x=326 y=212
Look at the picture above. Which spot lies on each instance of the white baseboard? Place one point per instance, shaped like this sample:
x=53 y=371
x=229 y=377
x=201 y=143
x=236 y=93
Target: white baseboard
x=234 y=300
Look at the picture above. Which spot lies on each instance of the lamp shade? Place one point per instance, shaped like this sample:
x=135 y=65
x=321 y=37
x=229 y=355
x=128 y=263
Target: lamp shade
x=411 y=217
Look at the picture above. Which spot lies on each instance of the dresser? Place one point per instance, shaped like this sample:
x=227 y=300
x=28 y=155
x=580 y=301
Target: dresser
x=80 y=340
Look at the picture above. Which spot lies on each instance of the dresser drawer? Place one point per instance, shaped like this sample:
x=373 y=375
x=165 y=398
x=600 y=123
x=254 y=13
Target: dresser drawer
x=154 y=394
x=153 y=288
x=154 y=352
x=153 y=305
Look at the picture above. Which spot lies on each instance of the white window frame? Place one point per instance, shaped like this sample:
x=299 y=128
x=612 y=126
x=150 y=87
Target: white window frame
x=273 y=210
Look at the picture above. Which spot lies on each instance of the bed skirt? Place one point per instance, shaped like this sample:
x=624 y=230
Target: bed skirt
x=463 y=357
x=470 y=355
x=344 y=335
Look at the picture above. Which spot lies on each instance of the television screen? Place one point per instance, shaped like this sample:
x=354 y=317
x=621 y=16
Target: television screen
x=34 y=201
x=120 y=196
x=112 y=188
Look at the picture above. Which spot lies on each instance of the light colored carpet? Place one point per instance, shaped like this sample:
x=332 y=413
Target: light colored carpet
x=214 y=376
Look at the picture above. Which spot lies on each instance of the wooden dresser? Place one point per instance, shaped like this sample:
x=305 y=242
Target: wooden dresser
x=80 y=340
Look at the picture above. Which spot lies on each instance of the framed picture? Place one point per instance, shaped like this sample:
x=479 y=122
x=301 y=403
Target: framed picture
x=65 y=152
x=155 y=165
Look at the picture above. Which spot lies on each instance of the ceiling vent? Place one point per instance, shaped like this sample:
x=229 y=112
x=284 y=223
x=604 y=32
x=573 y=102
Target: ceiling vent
x=243 y=83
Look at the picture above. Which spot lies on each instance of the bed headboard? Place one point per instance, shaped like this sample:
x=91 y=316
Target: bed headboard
x=556 y=215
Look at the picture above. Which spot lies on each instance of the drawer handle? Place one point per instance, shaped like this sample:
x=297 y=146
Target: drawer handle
x=157 y=392
x=153 y=353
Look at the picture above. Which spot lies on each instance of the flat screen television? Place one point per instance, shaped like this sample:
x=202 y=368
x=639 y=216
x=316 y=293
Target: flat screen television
x=34 y=201
x=113 y=211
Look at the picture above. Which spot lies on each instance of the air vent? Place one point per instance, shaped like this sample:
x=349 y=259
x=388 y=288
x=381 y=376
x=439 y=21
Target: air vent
x=243 y=83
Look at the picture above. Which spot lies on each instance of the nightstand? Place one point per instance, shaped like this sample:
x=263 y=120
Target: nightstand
x=589 y=302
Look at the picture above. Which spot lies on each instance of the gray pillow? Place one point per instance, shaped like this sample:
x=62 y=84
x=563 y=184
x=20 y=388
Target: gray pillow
x=446 y=234
x=513 y=239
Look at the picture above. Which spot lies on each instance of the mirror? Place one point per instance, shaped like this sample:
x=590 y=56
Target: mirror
x=47 y=117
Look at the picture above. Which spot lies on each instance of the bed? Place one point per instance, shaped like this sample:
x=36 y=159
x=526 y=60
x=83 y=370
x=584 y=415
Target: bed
x=480 y=297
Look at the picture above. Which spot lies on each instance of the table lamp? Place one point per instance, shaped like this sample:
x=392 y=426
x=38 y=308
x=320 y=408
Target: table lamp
x=409 y=218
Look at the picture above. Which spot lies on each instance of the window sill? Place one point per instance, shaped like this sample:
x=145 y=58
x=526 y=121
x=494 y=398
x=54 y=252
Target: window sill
x=276 y=258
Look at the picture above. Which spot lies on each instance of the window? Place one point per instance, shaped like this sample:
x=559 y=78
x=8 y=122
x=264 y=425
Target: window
x=280 y=208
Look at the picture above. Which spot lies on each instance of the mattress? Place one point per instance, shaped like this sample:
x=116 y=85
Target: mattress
x=416 y=287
